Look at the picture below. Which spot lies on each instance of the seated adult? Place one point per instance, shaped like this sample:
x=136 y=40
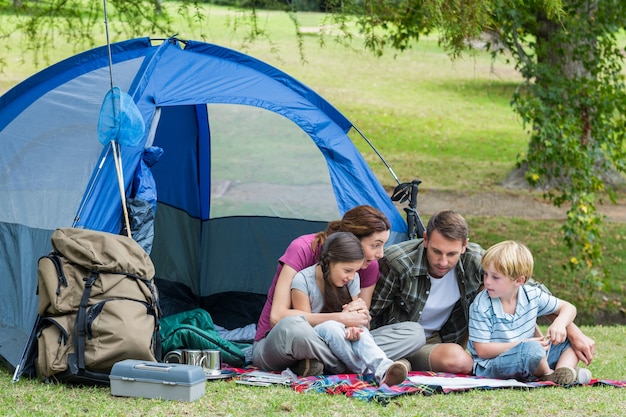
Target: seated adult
x=285 y=336
x=432 y=282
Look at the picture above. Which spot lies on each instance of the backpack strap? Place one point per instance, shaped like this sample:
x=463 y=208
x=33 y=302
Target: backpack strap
x=155 y=310
x=81 y=321
x=55 y=258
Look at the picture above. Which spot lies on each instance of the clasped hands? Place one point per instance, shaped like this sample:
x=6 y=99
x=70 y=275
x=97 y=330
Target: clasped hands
x=355 y=316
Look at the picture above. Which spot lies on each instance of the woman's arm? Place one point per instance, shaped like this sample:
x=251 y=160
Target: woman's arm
x=281 y=303
x=366 y=295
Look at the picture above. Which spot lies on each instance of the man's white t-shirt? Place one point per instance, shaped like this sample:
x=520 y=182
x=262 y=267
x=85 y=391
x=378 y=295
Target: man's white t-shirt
x=444 y=293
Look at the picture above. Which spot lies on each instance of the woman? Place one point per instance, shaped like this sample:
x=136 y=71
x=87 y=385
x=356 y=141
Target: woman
x=285 y=337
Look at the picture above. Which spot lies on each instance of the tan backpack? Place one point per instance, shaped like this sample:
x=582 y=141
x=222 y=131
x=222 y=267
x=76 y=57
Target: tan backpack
x=97 y=305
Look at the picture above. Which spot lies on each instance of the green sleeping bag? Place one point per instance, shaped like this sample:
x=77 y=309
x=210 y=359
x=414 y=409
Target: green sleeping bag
x=194 y=329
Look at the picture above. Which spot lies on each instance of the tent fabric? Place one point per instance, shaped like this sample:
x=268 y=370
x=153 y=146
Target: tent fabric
x=251 y=159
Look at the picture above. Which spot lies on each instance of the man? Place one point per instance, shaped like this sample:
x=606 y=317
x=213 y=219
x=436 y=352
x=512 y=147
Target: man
x=432 y=281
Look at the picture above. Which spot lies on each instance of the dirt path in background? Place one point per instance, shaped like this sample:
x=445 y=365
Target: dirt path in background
x=502 y=204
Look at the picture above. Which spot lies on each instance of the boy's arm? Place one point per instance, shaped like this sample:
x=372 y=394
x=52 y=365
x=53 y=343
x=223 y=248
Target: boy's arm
x=583 y=345
x=492 y=349
x=565 y=314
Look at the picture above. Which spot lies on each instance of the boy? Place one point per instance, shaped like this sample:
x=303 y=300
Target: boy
x=502 y=325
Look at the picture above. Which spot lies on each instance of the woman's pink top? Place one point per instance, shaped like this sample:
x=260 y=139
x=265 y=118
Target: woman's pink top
x=298 y=256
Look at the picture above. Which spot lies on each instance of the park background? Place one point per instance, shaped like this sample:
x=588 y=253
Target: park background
x=445 y=122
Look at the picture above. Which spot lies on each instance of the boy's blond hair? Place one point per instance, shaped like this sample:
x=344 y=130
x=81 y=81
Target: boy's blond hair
x=510 y=258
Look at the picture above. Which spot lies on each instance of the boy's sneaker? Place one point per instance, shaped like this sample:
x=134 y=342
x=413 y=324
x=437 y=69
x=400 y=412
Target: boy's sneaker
x=308 y=367
x=561 y=376
x=583 y=376
x=396 y=373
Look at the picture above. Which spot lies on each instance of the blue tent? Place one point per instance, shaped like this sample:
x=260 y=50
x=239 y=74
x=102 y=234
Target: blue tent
x=251 y=159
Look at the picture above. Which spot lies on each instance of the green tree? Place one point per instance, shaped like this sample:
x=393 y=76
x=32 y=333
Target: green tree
x=77 y=22
x=572 y=100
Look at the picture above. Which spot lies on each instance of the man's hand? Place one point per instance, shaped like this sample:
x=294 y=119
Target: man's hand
x=583 y=345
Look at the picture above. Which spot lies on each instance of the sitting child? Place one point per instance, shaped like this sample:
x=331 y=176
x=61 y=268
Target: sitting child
x=326 y=288
x=503 y=336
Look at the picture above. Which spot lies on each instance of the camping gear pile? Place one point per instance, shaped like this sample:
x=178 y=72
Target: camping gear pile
x=237 y=159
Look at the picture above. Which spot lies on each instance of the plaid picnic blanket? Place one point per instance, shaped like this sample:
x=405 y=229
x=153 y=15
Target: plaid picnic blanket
x=364 y=387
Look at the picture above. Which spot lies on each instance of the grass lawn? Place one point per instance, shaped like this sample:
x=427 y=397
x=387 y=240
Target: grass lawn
x=29 y=397
x=446 y=123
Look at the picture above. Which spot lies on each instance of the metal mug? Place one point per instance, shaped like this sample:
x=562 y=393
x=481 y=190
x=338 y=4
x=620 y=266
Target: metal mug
x=185 y=356
x=174 y=356
x=212 y=361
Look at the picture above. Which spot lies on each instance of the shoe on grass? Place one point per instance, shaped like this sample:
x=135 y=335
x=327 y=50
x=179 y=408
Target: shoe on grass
x=583 y=376
x=308 y=367
x=396 y=373
x=561 y=376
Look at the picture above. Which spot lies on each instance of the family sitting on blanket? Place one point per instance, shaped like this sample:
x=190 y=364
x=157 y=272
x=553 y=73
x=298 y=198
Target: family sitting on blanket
x=418 y=307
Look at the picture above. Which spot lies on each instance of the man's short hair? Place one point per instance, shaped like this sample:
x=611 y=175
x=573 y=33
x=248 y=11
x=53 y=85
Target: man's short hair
x=450 y=224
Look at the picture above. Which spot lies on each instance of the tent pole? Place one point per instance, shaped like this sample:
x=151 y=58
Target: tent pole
x=106 y=28
x=120 y=181
x=393 y=174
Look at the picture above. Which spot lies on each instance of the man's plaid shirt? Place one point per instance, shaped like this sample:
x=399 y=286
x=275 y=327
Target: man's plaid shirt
x=403 y=288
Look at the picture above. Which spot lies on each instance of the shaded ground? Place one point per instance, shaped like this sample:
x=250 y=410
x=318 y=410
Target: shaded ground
x=507 y=204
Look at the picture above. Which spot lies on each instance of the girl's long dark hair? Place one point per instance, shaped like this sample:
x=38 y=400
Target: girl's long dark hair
x=338 y=247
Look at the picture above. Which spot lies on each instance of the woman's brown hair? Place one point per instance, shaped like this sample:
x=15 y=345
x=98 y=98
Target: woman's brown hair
x=361 y=221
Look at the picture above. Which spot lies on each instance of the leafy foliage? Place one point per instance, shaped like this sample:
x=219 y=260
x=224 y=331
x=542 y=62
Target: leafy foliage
x=572 y=101
x=75 y=22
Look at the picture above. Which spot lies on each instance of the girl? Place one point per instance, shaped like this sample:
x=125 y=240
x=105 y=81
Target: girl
x=327 y=287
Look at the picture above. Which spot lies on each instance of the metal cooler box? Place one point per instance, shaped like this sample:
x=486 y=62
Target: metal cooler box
x=168 y=381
